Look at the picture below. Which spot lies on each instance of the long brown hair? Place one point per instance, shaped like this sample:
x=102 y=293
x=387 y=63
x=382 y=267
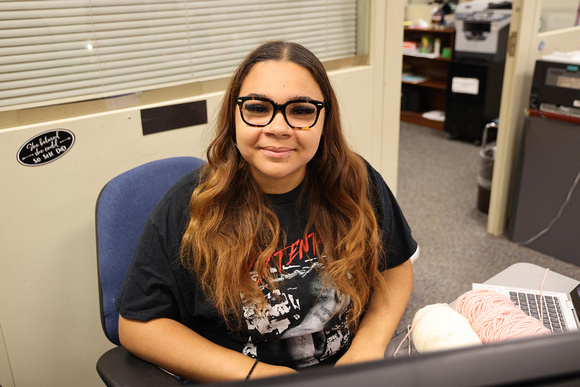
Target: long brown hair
x=233 y=230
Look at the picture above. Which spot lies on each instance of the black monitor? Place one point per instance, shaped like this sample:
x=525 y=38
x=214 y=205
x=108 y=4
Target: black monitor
x=536 y=361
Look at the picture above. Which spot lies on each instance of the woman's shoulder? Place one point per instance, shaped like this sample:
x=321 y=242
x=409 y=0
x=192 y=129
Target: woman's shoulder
x=396 y=232
x=375 y=179
x=370 y=169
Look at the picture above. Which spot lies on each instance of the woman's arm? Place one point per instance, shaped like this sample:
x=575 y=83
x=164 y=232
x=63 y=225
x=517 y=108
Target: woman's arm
x=176 y=348
x=382 y=316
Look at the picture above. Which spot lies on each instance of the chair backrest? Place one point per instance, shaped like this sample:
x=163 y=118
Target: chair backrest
x=122 y=210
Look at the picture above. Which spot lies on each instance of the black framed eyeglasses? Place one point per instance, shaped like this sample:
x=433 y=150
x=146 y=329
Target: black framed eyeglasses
x=299 y=113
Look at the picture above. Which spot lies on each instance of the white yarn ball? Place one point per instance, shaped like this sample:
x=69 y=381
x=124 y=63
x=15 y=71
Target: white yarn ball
x=438 y=327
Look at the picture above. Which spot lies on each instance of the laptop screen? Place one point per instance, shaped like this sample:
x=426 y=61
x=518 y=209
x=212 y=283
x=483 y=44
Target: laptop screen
x=575 y=296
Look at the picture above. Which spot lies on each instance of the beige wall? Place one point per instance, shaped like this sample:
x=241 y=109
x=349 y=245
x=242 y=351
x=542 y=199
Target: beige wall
x=49 y=311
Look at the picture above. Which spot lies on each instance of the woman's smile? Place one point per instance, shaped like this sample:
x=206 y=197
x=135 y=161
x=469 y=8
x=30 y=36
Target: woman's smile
x=277 y=152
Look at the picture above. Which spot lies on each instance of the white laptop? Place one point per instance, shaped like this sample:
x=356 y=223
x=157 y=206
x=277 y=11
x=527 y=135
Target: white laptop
x=560 y=309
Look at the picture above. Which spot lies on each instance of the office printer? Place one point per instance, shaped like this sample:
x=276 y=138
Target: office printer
x=556 y=84
x=481 y=30
x=481 y=38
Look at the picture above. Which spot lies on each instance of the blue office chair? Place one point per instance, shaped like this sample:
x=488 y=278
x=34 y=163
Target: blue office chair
x=122 y=210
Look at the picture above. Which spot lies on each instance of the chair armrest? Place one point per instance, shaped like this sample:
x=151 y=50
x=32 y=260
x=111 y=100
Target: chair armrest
x=118 y=367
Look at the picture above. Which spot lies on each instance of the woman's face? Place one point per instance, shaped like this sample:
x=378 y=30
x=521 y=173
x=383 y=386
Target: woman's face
x=277 y=153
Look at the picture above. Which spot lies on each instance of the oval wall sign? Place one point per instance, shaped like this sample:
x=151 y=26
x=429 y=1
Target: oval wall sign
x=46 y=147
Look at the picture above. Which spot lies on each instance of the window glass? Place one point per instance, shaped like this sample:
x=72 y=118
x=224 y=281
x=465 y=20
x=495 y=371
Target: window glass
x=66 y=51
x=559 y=14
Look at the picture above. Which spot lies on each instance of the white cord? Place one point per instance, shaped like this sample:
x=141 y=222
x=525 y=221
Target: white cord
x=557 y=216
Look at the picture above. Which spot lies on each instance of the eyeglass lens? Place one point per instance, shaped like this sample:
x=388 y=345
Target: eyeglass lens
x=298 y=114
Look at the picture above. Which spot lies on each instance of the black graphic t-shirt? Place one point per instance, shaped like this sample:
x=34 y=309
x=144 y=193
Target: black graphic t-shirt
x=304 y=323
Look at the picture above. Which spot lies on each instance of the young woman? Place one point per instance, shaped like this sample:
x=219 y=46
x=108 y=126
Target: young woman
x=285 y=251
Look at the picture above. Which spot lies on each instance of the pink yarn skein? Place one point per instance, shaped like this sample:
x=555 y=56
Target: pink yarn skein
x=494 y=317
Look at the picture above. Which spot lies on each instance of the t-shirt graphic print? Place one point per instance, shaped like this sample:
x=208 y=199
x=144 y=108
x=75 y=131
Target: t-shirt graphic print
x=304 y=316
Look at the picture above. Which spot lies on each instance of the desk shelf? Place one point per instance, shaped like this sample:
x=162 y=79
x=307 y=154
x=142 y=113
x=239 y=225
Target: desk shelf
x=417 y=118
x=429 y=94
x=434 y=84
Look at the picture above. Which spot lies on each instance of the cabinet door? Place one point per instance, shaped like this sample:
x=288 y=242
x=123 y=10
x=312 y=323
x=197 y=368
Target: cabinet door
x=464 y=120
x=467 y=73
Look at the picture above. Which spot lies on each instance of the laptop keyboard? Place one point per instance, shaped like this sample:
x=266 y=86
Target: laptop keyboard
x=530 y=304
